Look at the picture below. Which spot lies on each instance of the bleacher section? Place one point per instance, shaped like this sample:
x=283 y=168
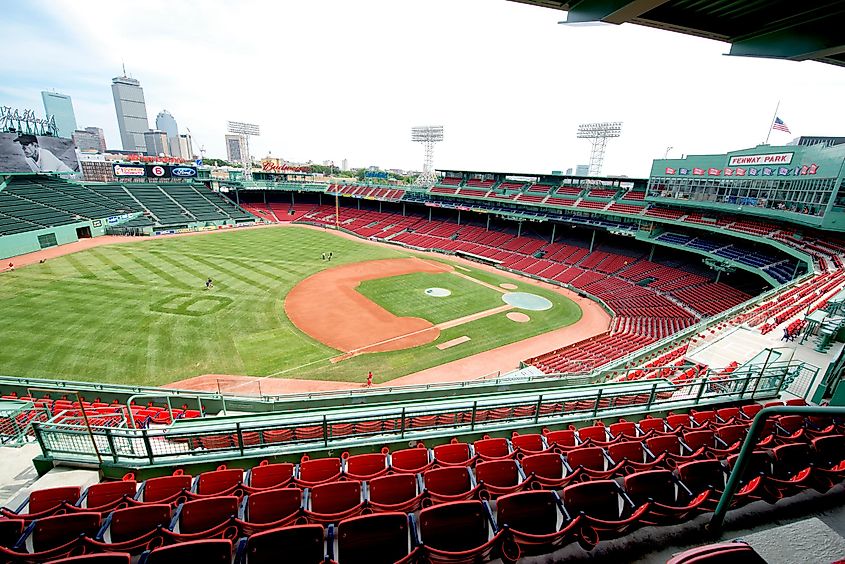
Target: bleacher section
x=533 y=493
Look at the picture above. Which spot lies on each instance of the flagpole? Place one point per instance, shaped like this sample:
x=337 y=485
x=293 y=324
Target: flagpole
x=771 y=125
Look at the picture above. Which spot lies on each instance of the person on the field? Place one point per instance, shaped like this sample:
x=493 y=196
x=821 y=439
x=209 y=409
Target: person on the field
x=323 y=256
x=38 y=159
x=370 y=379
x=209 y=284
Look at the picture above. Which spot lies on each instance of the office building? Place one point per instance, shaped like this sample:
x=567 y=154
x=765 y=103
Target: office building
x=582 y=170
x=235 y=148
x=88 y=141
x=186 y=149
x=131 y=113
x=344 y=165
x=167 y=123
x=60 y=108
x=156 y=144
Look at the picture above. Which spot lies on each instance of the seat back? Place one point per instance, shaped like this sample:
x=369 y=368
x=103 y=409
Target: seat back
x=455 y=527
x=533 y=512
x=363 y=466
x=678 y=420
x=10 y=531
x=133 y=522
x=700 y=438
x=107 y=493
x=546 y=465
x=335 y=497
x=790 y=459
x=319 y=469
x=203 y=514
x=700 y=475
x=597 y=498
x=379 y=538
x=731 y=434
x=451 y=480
x=393 y=489
x=208 y=551
x=759 y=463
x=453 y=453
x=499 y=473
x=297 y=543
x=102 y=558
x=720 y=553
x=165 y=487
x=703 y=417
x=271 y=475
x=627 y=450
x=587 y=457
x=652 y=424
x=562 y=438
x=623 y=428
x=50 y=498
x=528 y=443
x=409 y=460
x=273 y=505
x=728 y=413
x=218 y=481
x=751 y=410
x=596 y=433
x=651 y=484
x=50 y=532
x=830 y=450
x=664 y=443
x=492 y=448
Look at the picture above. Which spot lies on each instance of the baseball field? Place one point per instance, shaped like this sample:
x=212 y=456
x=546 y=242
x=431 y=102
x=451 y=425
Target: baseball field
x=140 y=312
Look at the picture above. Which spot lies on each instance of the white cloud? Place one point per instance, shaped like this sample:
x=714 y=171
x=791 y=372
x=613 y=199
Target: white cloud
x=334 y=79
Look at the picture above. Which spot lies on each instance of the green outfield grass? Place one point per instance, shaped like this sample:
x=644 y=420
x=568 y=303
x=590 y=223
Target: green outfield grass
x=138 y=313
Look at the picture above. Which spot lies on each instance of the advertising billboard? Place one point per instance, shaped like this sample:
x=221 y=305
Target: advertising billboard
x=124 y=170
x=37 y=153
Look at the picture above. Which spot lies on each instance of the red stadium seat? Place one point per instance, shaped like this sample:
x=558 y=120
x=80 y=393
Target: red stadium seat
x=604 y=507
x=265 y=476
x=492 y=449
x=380 y=538
x=669 y=500
x=318 y=471
x=102 y=558
x=546 y=469
x=528 y=444
x=10 y=531
x=208 y=551
x=328 y=503
x=452 y=483
x=203 y=515
x=366 y=466
x=412 y=460
x=219 y=482
x=108 y=495
x=562 y=440
x=453 y=454
x=720 y=553
x=278 y=506
x=634 y=456
x=130 y=523
x=499 y=477
x=167 y=489
x=592 y=462
x=395 y=492
x=58 y=530
x=297 y=543
x=537 y=523
x=457 y=532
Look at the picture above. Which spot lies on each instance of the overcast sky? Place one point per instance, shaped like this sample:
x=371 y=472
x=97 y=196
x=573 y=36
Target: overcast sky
x=334 y=79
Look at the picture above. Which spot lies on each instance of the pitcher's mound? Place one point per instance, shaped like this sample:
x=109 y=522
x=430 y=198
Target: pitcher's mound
x=508 y=286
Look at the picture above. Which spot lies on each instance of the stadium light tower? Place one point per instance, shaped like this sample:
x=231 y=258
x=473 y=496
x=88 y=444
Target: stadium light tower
x=427 y=135
x=598 y=134
x=244 y=130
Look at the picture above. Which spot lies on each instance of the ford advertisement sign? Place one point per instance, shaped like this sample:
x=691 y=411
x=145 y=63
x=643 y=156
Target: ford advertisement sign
x=183 y=172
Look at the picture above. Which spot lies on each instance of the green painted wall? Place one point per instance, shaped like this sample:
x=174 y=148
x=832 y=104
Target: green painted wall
x=22 y=243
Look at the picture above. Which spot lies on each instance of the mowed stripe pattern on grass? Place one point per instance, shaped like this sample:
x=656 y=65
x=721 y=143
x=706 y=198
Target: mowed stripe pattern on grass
x=133 y=313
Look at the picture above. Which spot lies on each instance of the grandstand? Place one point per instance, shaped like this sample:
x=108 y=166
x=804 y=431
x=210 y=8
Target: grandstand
x=37 y=211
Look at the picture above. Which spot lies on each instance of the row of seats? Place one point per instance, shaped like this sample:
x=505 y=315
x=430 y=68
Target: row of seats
x=508 y=522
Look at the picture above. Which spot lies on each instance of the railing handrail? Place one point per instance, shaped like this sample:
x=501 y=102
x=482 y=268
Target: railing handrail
x=750 y=443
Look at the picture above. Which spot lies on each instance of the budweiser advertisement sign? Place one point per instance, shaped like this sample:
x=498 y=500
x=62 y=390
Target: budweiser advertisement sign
x=270 y=166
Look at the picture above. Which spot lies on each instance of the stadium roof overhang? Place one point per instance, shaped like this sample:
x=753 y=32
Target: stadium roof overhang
x=779 y=29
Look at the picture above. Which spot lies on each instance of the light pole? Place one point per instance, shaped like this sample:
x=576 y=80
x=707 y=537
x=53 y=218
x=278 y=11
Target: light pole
x=666 y=154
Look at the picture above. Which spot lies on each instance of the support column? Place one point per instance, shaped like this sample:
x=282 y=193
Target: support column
x=488 y=222
x=379 y=206
x=320 y=198
x=429 y=214
x=237 y=198
x=519 y=228
x=593 y=241
x=403 y=209
x=554 y=225
x=264 y=193
x=651 y=253
x=459 y=217
x=718 y=275
x=359 y=203
x=795 y=272
x=291 y=199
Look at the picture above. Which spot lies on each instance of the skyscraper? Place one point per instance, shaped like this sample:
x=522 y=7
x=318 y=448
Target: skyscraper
x=60 y=107
x=156 y=143
x=100 y=137
x=131 y=113
x=165 y=122
x=185 y=146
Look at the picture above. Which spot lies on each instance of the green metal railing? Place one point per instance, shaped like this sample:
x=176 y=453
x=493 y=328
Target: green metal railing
x=16 y=419
x=370 y=427
x=757 y=426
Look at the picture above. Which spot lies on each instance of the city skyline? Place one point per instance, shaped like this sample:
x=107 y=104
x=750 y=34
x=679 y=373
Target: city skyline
x=529 y=91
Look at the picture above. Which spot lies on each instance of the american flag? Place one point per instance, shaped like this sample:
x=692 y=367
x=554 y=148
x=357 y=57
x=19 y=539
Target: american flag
x=780 y=126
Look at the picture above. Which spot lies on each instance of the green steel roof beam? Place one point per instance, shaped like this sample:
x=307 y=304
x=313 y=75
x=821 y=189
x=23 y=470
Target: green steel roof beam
x=610 y=11
x=797 y=43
